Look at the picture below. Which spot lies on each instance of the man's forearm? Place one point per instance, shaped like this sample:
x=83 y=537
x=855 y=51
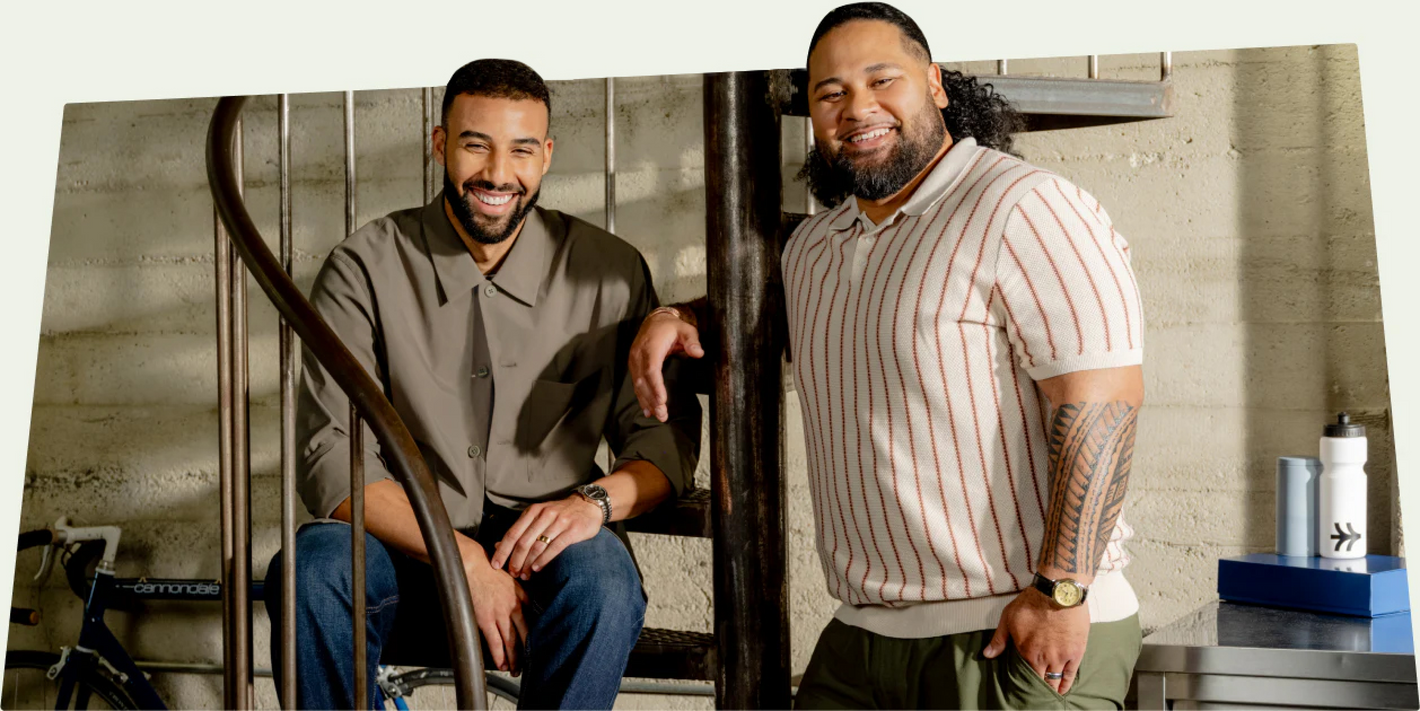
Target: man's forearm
x=635 y=488
x=390 y=518
x=1091 y=449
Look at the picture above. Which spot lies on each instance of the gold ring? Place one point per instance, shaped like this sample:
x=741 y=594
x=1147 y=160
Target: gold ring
x=544 y=539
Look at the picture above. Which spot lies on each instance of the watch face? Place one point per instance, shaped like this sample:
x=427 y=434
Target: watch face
x=594 y=492
x=1067 y=593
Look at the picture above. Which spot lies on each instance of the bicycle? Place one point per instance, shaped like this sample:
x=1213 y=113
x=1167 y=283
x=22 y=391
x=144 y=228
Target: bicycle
x=98 y=668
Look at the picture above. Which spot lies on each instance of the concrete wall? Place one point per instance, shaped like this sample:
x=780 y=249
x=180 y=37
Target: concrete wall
x=1249 y=215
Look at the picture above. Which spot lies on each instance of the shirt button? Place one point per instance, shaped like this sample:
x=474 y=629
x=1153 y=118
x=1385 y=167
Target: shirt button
x=482 y=372
x=490 y=290
x=474 y=451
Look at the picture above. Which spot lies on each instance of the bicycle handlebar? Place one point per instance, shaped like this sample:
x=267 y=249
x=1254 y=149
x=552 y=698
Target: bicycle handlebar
x=31 y=539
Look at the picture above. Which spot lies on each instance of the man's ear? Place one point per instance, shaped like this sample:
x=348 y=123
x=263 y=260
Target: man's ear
x=440 y=139
x=547 y=155
x=934 y=85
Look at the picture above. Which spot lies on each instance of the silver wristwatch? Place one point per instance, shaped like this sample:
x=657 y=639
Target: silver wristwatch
x=597 y=495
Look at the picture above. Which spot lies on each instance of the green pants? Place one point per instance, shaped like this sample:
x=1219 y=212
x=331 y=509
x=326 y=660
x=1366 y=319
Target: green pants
x=853 y=668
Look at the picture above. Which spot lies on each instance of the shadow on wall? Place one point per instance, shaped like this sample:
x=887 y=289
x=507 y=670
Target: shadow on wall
x=1309 y=290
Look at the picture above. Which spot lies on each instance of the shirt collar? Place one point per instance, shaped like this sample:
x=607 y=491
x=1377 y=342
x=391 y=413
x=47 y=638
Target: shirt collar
x=521 y=273
x=928 y=192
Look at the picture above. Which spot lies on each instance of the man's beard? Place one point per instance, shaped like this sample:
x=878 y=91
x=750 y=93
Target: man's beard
x=833 y=180
x=469 y=219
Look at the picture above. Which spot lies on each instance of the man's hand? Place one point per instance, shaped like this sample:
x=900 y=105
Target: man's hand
x=498 y=602
x=663 y=333
x=1048 y=638
x=562 y=523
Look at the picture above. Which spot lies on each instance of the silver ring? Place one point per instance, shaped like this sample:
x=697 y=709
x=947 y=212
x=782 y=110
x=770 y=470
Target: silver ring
x=1055 y=676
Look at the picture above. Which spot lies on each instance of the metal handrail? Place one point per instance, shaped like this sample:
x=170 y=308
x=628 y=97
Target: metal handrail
x=400 y=452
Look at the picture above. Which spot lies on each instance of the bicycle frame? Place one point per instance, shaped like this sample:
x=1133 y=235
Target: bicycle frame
x=97 y=644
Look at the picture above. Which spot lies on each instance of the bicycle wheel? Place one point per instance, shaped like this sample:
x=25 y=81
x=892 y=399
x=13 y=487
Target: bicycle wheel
x=27 y=687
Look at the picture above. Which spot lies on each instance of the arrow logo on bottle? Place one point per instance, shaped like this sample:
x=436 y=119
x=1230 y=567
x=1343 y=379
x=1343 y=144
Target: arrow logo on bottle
x=1343 y=537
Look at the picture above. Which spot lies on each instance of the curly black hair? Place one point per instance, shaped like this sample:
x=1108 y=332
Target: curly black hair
x=973 y=108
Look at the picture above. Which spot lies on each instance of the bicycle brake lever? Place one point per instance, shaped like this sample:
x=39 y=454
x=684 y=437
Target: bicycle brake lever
x=46 y=564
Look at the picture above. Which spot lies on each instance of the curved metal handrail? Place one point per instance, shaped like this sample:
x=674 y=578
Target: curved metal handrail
x=400 y=451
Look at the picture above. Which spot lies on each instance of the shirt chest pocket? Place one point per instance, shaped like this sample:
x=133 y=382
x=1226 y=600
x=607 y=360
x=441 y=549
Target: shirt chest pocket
x=560 y=426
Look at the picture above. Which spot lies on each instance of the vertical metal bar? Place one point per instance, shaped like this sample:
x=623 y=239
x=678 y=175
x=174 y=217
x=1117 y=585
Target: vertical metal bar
x=610 y=155
x=357 y=476
x=349 y=162
x=747 y=333
x=289 y=363
x=357 y=554
x=609 y=206
x=235 y=480
x=1094 y=66
x=222 y=256
x=427 y=102
x=810 y=205
x=1001 y=67
x=1165 y=66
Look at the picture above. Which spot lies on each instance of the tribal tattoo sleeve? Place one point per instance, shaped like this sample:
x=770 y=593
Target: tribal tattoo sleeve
x=1091 y=448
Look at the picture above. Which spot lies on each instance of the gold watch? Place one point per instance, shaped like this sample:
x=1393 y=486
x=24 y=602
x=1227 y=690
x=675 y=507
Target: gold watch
x=1064 y=592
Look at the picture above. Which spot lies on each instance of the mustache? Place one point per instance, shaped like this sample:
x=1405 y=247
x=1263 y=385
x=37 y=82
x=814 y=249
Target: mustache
x=471 y=184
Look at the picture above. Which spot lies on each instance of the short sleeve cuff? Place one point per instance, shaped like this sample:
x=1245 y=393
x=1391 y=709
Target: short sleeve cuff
x=1087 y=361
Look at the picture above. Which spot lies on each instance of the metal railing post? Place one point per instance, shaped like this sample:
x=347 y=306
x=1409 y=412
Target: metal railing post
x=289 y=364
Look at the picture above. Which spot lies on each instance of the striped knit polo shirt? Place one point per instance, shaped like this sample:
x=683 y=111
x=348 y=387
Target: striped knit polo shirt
x=915 y=346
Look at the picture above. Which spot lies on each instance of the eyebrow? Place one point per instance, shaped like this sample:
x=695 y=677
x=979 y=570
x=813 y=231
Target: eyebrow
x=869 y=70
x=527 y=141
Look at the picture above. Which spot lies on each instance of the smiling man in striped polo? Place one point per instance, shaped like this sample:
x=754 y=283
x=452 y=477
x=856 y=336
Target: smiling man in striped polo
x=966 y=337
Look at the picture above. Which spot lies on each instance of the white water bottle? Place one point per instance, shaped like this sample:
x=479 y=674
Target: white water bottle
x=1341 y=490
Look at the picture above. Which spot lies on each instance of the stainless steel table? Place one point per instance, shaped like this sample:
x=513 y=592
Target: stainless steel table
x=1238 y=655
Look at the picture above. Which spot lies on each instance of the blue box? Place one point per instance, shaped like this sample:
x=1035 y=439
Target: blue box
x=1363 y=587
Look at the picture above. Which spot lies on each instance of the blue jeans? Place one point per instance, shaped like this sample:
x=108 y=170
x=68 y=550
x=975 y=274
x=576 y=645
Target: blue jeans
x=586 y=612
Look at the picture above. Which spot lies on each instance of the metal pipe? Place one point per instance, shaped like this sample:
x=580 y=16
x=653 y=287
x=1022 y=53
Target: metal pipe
x=1094 y=66
x=746 y=336
x=427 y=102
x=349 y=162
x=289 y=363
x=357 y=554
x=240 y=566
x=610 y=155
x=357 y=458
x=1165 y=66
x=810 y=205
x=1001 y=67
x=222 y=258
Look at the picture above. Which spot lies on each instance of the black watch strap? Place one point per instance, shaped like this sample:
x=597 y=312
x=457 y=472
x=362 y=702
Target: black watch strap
x=1045 y=585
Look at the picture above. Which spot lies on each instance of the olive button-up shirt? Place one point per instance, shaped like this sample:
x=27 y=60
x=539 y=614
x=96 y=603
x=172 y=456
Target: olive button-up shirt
x=508 y=382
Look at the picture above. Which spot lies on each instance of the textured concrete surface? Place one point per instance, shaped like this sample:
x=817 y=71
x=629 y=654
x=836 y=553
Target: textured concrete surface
x=1249 y=216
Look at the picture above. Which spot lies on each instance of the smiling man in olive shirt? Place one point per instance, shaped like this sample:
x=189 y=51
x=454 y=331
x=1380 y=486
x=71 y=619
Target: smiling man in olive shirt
x=500 y=332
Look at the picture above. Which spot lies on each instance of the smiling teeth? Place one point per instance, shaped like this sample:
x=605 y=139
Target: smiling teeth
x=486 y=200
x=876 y=133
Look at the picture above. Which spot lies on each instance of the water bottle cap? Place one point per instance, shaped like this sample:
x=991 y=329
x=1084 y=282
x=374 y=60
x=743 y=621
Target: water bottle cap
x=1344 y=427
